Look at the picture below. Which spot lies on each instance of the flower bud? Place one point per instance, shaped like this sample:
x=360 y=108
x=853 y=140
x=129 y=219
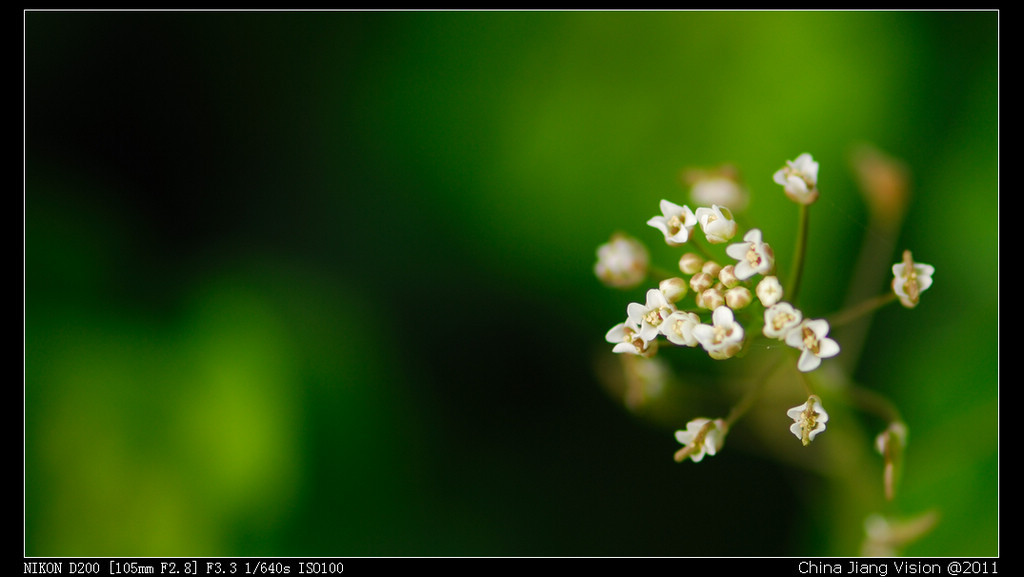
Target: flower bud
x=701 y=282
x=884 y=181
x=727 y=276
x=673 y=288
x=711 y=299
x=712 y=268
x=690 y=263
x=738 y=297
x=769 y=291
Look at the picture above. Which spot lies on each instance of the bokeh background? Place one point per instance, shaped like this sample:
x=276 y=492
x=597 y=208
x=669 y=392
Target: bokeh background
x=321 y=283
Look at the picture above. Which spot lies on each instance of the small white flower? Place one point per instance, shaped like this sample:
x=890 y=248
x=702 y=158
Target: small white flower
x=769 y=290
x=754 y=256
x=701 y=437
x=626 y=338
x=720 y=189
x=894 y=432
x=675 y=223
x=723 y=338
x=810 y=337
x=799 y=179
x=648 y=317
x=779 y=319
x=717 y=223
x=808 y=419
x=911 y=279
x=678 y=328
x=622 y=262
x=646 y=380
x=890 y=444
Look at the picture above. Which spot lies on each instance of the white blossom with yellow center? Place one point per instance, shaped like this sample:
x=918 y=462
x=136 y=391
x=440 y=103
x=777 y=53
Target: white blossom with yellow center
x=724 y=337
x=626 y=338
x=676 y=223
x=753 y=255
x=622 y=262
x=911 y=279
x=810 y=336
x=649 y=316
x=678 y=328
x=717 y=223
x=808 y=419
x=779 y=319
x=701 y=437
x=799 y=179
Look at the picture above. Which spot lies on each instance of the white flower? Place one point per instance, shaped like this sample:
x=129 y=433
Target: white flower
x=646 y=380
x=890 y=444
x=810 y=337
x=702 y=436
x=626 y=338
x=911 y=279
x=675 y=223
x=720 y=189
x=648 y=317
x=754 y=256
x=799 y=179
x=622 y=262
x=678 y=328
x=808 y=419
x=769 y=290
x=894 y=432
x=779 y=319
x=717 y=223
x=723 y=338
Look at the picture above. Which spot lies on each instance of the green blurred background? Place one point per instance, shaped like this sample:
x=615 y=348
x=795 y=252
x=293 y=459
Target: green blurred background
x=320 y=283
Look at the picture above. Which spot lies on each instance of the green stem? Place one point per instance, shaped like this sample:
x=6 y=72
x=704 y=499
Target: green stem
x=859 y=310
x=659 y=274
x=796 y=273
x=753 y=392
x=872 y=402
x=700 y=248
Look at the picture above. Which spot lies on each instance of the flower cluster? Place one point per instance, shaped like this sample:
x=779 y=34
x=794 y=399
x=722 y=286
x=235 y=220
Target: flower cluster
x=724 y=295
x=718 y=290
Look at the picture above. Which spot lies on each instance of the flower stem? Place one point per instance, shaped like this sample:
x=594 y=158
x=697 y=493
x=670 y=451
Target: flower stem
x=796 y=273
x=753 y=392
x=659 y=274
x=859 y=310
x=874 y=403
x=701 y=249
